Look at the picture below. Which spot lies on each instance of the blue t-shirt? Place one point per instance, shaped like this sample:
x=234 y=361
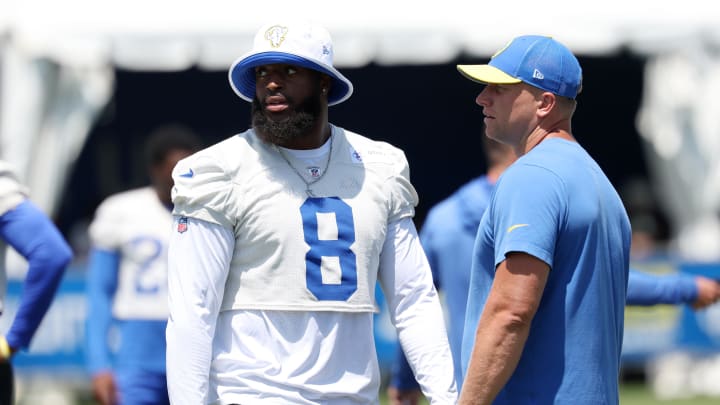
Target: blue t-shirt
x=556 y=204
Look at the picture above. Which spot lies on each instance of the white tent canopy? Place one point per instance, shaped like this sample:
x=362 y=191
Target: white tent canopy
x=162 y=34
x=58 y=58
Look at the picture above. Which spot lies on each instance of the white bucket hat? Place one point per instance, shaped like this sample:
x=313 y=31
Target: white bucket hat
x=304 y=45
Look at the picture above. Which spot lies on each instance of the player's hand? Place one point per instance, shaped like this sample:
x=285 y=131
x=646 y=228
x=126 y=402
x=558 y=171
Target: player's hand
x=104 y=388
x=6 y=351
x=708 y=292
x=403 y=397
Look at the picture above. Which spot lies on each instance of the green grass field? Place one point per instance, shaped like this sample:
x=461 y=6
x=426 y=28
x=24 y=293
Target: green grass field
x=631 y=393
x=639 y=394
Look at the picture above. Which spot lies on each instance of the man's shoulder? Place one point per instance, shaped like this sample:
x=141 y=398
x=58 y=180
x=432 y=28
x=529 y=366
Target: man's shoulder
x=232 y=145
x=133 y=196
x=478 y=186
x=226 y=156
x=127 y=206
x=366 y=150
x=468 y=193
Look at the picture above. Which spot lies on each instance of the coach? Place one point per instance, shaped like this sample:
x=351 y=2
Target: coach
x=544 y=320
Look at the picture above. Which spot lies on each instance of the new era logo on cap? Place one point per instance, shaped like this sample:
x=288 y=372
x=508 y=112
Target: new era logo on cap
x=539 y=61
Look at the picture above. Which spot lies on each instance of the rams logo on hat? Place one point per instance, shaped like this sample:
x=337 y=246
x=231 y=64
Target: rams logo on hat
x=276 y=35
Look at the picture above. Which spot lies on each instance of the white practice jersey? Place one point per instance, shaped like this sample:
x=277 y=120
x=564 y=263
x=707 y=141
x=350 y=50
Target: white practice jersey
x=12 y=193
x=247 y=186
x=136 y=225
x=272 y=290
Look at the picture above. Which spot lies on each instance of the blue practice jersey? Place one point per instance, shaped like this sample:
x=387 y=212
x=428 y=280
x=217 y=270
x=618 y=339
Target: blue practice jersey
x=448 y=237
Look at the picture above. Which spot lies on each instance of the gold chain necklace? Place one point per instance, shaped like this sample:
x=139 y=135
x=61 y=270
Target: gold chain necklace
x=309 y=192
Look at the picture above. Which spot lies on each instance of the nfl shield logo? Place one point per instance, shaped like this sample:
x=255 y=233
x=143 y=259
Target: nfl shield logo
x=314 y=171
x=182 y=225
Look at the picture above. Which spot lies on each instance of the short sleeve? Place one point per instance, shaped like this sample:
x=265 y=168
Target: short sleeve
x=103 y=231
x=528 y=212
x=204 y=190
x=12 y=192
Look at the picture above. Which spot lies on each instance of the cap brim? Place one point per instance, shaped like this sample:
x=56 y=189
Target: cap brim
x=242 y=74
x=486 y=74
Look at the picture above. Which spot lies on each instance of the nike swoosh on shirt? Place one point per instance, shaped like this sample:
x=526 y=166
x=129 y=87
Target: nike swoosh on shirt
x=516 y=226
x=190 y=173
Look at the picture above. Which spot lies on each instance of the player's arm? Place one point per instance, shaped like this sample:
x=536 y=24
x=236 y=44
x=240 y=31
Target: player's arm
x=403 y=388
x=415 y=310
x=102 y=276
x=504 y=326
x=651 y=289
x=32 y=234
x=198 y=264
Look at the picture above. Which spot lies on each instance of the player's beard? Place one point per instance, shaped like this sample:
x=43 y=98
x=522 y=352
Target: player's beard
x=300 y=122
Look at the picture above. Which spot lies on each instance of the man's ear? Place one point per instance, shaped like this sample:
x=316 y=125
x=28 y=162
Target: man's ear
x=546 y=103
x=325 y=84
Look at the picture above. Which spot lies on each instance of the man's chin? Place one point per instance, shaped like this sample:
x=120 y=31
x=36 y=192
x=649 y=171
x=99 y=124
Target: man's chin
x=277 y=118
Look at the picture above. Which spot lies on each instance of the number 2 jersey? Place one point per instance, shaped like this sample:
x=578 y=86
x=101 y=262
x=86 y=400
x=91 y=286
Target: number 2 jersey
x=127 y=283
x=135 y=225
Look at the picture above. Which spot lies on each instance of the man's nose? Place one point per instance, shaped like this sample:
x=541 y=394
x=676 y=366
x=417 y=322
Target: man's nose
x=481 y=100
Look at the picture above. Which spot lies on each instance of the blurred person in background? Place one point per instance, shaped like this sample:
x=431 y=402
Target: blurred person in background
x=25 y=228
x=650 y=227
x=448 y=236
x=127 y=279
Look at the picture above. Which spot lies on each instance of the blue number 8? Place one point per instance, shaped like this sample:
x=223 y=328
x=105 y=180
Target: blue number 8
x=339 y=248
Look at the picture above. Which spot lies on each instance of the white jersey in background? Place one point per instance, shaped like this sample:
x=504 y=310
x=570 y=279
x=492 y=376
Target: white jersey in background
x=292 y=268
x=141 y=242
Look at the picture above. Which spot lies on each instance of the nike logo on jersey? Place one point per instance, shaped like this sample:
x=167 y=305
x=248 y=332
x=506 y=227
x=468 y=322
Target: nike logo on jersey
x=355 y=156
x=516 y=226
x=189 y=174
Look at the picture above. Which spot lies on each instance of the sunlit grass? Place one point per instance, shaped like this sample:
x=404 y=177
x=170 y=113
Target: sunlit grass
x=634 y=394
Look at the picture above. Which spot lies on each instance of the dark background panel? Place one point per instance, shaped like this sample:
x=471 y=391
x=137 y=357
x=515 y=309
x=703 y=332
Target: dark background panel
x=428 y=111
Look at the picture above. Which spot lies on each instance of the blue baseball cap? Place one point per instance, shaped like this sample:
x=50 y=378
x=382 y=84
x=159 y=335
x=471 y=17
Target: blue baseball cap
x=539 y=61
x=297 y=43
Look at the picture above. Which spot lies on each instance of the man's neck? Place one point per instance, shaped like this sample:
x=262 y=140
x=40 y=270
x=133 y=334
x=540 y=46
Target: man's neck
x=559 y=129
x=313 y=139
